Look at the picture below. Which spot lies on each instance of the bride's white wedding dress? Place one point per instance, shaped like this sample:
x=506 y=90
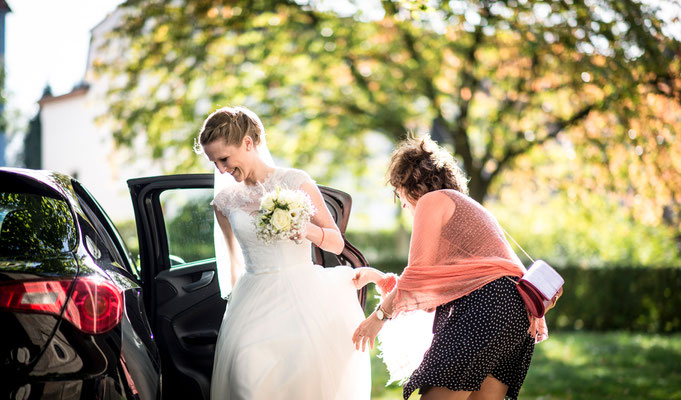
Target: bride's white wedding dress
x=287 y=331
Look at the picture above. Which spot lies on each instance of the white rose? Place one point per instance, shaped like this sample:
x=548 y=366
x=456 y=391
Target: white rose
x=267 y=203
x=281 y=220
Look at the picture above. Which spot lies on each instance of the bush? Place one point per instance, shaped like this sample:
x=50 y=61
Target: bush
x=378 y=245
x=591 y=232
x=606 y=299
x=625 y=298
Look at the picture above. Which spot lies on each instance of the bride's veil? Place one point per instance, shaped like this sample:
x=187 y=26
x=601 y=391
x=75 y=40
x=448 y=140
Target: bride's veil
x=223 y=182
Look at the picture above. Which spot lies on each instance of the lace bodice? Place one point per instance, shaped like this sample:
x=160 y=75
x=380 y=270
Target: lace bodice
x=239 y=202
x=241 y=196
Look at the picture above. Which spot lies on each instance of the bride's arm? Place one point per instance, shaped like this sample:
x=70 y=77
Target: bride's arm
x=235 y=260
x=321 y=230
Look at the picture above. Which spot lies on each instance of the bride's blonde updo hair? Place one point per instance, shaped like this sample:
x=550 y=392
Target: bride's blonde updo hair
x=419 y=166
x=230 y=124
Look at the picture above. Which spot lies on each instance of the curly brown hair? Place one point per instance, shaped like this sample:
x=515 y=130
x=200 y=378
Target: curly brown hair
x=419 y=166
x=230 y=124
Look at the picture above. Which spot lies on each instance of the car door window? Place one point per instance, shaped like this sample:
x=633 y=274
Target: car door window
x=101 y=238
x=98 y=241
x=188 y=219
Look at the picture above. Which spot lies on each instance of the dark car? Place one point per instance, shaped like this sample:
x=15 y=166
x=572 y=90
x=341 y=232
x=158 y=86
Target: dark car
x=81 y=319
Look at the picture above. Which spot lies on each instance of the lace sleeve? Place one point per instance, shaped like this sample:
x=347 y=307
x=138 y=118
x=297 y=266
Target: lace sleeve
x=294 y=178
x=221 y=201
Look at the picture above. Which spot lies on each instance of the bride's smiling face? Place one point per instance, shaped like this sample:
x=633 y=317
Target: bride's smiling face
x=231 y=159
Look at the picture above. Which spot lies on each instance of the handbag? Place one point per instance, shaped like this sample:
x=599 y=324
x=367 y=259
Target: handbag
x=539 y=285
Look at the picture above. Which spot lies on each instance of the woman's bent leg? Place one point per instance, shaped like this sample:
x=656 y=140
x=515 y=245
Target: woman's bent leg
x=491 y=389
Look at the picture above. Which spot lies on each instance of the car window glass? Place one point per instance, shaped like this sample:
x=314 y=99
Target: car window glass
x=188 y=220
x=98 y=242
x=106 y=229
x=94 y=243
x=35 y=226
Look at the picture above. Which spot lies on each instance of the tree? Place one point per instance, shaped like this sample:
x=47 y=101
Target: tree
x=496 y=80
x=32 y=153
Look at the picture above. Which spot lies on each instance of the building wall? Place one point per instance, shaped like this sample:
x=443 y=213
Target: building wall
x=73 y=143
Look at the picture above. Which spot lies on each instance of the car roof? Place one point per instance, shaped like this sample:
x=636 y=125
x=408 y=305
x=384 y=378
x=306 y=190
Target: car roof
x=58 y=182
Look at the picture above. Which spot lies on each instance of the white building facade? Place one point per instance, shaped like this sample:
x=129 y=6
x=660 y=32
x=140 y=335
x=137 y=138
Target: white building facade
x=74 y=143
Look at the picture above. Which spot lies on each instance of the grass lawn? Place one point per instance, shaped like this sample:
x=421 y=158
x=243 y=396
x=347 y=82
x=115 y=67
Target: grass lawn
x=587 y=365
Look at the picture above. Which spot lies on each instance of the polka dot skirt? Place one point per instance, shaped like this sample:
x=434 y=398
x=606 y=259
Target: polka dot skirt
x=484 y=333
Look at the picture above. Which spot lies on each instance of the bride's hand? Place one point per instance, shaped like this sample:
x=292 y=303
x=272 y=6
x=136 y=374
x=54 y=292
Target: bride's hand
x=298 y=238
x=367 y=331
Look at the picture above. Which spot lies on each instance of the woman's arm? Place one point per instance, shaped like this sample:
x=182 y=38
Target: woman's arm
x=433 y=211
x=235 y=257
x=321 y=230
x=367 y=331
x=387 y=304
x=365 y=275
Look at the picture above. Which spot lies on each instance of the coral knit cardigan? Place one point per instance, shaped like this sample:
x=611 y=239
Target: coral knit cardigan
x=456 y=247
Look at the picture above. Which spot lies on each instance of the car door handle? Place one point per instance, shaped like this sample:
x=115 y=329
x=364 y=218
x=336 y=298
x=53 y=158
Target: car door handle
x=206 y=279
x=202 y=338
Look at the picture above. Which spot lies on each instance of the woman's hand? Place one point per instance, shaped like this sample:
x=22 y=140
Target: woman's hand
x=365 y=275
x=386 y=284
x=554 y=300
x=367 y=331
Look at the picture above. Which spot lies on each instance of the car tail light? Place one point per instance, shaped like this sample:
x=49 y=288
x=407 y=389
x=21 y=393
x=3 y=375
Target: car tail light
x=95 y=306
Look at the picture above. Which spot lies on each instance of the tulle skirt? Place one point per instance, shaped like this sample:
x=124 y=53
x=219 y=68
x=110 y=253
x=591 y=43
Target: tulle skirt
x=403 y=341
x=288 y=335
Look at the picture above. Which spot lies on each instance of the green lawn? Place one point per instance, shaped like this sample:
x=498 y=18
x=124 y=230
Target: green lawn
x=585 y=365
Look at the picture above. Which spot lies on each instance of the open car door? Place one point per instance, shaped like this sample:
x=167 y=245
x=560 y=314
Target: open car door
x=179 y=277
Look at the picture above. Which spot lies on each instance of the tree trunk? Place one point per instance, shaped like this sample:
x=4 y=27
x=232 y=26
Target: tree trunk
x=477 y=186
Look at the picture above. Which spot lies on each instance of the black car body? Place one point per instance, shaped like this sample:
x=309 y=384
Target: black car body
x=81 y=319
x=71 y=311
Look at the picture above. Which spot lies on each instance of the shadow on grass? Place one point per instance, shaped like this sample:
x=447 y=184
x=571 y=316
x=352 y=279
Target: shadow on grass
x=588 y=365
x=605 y=366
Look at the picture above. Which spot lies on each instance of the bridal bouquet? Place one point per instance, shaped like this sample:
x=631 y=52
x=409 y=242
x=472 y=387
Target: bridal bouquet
x=283 y=213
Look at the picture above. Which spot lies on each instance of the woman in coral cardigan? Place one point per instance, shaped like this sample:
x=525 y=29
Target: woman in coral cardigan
x=461 y=266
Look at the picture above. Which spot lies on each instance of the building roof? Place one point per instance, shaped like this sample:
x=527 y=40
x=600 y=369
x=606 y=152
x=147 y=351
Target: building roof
x=78 y=90
x=4 y=7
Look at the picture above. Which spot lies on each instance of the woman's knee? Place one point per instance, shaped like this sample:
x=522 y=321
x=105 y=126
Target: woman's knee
x=491 y=389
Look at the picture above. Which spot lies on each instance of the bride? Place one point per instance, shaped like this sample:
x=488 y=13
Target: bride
x=287 y=331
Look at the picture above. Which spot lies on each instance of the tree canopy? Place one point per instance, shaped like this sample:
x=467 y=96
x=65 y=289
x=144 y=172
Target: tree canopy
x=498 y=82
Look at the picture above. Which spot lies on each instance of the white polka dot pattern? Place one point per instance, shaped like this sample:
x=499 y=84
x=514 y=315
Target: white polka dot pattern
x=484 y=333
